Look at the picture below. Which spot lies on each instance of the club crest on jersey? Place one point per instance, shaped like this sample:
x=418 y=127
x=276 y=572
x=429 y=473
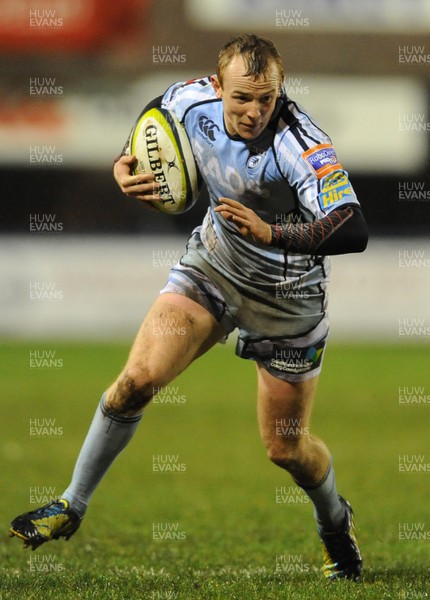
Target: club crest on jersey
x=334 y=188
x=253 y=163
x=322 y=159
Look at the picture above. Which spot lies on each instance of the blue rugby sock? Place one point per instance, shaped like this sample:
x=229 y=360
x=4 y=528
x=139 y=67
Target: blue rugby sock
x=329 y=512
x=108 y=435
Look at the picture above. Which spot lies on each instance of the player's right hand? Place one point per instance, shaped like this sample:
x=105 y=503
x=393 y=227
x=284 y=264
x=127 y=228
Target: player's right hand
x=142 y=187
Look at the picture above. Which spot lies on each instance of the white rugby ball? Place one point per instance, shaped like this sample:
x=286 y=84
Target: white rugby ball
x=161 y=146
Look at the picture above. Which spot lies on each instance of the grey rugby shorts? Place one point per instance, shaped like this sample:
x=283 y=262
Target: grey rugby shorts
x=288 y=345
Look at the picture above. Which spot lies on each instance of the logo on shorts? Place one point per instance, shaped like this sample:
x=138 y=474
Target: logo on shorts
x=314 y=354
x=322 y=159
x=208 y=127
x=297 y=360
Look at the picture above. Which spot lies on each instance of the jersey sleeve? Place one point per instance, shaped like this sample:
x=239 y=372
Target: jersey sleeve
x=180 y=96
x=331 y=220
x=310 y=164
x=326 y=184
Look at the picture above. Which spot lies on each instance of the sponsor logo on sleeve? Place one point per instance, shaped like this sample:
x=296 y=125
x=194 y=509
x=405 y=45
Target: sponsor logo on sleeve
x=322 y=159
x=334 y=188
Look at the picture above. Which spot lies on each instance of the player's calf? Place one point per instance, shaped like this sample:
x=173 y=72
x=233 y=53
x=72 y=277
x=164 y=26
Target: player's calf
x=305 y=457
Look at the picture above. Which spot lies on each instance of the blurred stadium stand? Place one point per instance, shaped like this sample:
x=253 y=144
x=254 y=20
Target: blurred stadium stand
x=104 y=61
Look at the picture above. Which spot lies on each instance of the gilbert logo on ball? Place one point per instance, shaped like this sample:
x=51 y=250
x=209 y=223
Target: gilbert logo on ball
x=161 y=146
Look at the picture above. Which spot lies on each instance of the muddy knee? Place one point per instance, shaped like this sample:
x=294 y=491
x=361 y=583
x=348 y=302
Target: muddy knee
x=130 y=393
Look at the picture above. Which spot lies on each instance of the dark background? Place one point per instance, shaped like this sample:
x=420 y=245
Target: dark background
x=87 y=200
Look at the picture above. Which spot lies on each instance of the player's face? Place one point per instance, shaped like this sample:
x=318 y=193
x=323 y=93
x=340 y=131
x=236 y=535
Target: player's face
x=248 y=102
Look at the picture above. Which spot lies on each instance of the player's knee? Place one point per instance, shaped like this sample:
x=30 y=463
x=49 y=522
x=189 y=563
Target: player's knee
x=132 y=392
x=286 y=454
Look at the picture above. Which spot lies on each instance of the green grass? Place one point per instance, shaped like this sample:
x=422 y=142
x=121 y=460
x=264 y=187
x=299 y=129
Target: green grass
x=224 y=503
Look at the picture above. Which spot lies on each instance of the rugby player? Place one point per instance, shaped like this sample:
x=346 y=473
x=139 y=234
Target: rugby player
x=280 y=204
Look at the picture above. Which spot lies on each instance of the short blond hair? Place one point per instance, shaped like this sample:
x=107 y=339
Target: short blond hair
x=256 y=52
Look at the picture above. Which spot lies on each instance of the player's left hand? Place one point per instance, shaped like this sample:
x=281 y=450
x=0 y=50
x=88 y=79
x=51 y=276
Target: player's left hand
x=248 y=222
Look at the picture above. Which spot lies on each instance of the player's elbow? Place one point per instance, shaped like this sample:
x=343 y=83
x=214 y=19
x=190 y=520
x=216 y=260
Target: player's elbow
x=355 y=234
x=352 y=237
x=361 y=238
x=356 y=242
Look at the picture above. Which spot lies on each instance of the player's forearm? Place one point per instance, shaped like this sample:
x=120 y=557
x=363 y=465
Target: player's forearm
x=342 y=231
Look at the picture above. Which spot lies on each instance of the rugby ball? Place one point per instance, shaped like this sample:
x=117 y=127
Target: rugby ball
x=161 y=146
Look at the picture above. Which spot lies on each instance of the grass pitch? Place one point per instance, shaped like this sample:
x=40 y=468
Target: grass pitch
x=225 y=523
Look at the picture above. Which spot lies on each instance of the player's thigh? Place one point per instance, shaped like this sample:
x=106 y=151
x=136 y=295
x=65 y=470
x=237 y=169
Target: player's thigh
x=283 y=407
x=175 y=331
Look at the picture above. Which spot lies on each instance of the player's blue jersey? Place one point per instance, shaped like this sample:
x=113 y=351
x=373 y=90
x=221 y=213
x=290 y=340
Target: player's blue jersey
x=290 y=173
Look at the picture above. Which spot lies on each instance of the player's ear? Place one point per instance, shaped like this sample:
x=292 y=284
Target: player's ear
x=216 y=86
